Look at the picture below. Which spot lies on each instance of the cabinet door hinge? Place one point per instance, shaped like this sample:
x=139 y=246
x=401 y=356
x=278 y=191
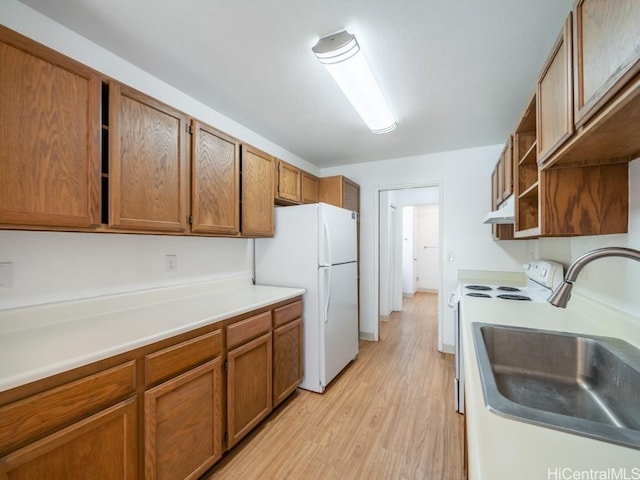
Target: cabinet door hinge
x=225 y=365
x=190 y=219
x=190 y=129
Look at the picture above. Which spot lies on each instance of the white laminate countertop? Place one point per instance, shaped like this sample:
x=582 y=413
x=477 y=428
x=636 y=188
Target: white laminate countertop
x=39 y=341
x=505 y=449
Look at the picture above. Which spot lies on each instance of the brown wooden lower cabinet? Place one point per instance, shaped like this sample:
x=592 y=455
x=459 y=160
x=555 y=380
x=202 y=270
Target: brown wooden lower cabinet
x=156 y=412
x=101 y=446
x=249 y=387
x=183 y=424
x=287 y=360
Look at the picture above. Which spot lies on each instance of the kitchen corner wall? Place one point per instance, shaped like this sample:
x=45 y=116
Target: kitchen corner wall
x=465 y=179
x=612 y=281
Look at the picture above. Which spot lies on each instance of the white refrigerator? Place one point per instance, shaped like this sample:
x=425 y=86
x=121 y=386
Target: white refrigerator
x=314 y=247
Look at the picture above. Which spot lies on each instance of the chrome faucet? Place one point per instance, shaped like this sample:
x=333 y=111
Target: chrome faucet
x=561 y=295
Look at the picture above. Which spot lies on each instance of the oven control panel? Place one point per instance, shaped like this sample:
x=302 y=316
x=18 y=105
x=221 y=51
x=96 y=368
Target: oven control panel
x=545 y=272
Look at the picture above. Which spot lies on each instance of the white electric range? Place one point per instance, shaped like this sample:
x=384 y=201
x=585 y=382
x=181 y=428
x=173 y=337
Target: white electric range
x=540 y=278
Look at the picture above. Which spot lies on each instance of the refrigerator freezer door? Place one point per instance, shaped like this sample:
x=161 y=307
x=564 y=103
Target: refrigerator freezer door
x=339 y=319
x=337 y=229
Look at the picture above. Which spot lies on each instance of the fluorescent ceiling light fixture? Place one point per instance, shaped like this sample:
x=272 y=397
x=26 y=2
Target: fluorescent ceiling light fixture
x=341 y=55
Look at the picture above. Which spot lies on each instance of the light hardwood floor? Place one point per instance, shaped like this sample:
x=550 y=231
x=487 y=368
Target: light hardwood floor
x=389 y=416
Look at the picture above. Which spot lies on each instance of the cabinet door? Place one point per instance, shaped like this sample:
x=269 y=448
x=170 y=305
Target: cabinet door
x=350 y=195
x=287 y=359
x=215 y=181
x=102 y=446
x=310 y=188
x=183 y=424
x=606 y=52
x=49 y=137
x=289 y=182
x=147 y=163
x=507 y=169
x=257 y=193
x=249 y=387
x=554 y=97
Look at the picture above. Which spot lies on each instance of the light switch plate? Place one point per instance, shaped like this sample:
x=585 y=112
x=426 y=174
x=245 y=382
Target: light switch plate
x=6 y=274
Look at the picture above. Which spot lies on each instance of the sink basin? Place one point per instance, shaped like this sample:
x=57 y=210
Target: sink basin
x=580 y=384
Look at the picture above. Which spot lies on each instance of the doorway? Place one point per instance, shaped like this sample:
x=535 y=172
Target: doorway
x=409 y=246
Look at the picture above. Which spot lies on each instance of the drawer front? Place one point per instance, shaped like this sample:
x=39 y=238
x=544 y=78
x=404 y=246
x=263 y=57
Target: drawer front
x=32 y=417
x=287 y=313
x=178 y=358
x=245 y=330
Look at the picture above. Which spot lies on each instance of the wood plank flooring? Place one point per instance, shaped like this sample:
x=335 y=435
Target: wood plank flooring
x=388 y=416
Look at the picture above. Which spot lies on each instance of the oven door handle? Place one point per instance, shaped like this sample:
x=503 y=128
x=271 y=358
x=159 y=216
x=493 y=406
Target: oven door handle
x=452 y=304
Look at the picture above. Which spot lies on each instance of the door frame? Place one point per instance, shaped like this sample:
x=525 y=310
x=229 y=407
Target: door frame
x=376 y=245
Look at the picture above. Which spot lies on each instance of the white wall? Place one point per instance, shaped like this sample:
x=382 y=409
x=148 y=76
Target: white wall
x=384 y=308
x=58 y=266
x=465 y=179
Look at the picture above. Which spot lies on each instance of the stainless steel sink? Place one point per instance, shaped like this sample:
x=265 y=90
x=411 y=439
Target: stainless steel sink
x=581 y=384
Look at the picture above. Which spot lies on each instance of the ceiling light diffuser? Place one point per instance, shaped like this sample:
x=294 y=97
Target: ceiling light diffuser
x=341 y=56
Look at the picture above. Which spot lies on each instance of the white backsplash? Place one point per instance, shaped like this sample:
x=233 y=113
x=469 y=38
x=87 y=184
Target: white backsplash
x=58 y=266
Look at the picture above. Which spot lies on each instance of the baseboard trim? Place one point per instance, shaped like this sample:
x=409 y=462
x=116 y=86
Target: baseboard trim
x=448 y=348
x=384 y=318
x=370 y=337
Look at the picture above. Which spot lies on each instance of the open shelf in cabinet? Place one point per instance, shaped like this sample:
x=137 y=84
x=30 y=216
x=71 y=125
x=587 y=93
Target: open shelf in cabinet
x=527 y=223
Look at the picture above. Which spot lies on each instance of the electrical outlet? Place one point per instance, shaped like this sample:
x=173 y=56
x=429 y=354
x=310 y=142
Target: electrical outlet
x=171 y=263
x=6 y=275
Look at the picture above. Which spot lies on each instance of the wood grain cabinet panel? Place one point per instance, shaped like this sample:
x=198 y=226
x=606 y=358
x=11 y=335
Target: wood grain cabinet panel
x=287 y=313
x=37 y=415
x=147 y=163
x=554 y=96
x=183 y=424
x=289 y=184
x=341 y=192
x=310 y=188
x=178 y=358
x=248 y=329
x=249 y=386
x=49 y=137
x=606 y=52
x=287 y=359
x=257 y=193
x=101 y=446
x=215 y=181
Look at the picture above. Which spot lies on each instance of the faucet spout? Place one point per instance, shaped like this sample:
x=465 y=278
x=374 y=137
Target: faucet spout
x=561 y=295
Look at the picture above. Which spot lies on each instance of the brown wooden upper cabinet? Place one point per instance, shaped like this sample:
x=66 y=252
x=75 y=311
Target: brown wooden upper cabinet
x=147 y=163
x=555 y=109
x=50 y=155
x=215 y=181
x=310 y=188
x=288 y=183
x=607 y=52
x=341 y=192
x=257 y=192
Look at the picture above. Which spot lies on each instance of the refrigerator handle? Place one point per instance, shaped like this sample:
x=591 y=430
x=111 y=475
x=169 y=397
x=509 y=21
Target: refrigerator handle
x=327 y=293
x=326 y=233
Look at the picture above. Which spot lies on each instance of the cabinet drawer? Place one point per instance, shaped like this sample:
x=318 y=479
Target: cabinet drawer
x=244 y=330
x=178 y=358
x=287 y=313
x=32 y=417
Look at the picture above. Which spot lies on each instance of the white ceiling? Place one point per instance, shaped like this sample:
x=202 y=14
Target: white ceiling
x=456 y=73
